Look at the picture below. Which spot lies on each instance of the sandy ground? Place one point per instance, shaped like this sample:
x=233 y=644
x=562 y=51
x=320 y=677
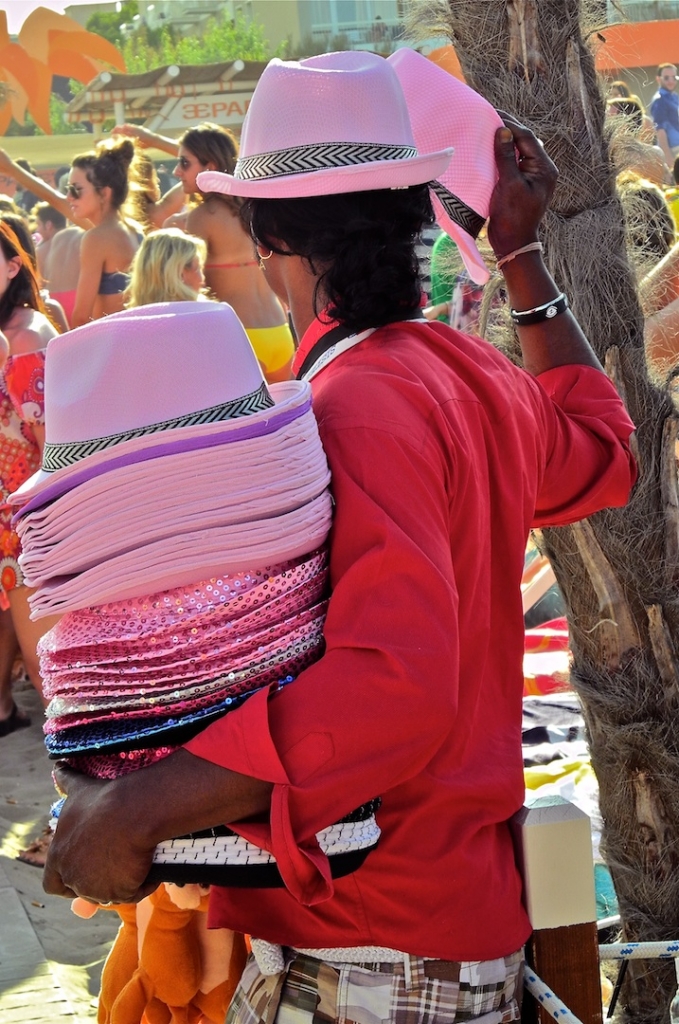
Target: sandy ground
x=71 y=950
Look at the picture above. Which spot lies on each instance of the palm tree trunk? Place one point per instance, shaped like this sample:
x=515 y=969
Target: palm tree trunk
x=618 y=570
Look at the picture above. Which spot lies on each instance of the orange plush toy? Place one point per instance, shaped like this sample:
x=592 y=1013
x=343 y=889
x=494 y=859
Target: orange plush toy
x=166 y=966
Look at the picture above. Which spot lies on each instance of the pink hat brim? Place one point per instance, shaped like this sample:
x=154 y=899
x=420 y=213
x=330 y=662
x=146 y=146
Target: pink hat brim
x=381 y=174
x=286 y=395
x=473 y=260
x=175 y=561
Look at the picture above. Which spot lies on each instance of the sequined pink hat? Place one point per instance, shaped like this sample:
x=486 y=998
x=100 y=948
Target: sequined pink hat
x=329 y=124
x=445 y=112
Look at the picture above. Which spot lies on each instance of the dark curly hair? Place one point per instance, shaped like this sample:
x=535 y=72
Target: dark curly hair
x=23 y=288
x=108 y=167
x=361 y=244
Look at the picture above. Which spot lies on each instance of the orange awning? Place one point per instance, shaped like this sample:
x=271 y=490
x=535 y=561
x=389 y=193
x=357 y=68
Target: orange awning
x=637 y=44
x=446 y=58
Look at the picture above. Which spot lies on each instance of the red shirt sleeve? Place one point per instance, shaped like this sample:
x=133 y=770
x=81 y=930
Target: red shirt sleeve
x=587 y=431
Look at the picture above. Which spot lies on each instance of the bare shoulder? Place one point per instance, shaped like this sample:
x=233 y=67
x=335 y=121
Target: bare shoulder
x=197 y=219
x=68 y=238
x=217 y=223
x=93 y=242
x=28 y=331
x=177 y=220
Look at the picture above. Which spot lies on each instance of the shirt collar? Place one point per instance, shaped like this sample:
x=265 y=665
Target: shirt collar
x=314 y=332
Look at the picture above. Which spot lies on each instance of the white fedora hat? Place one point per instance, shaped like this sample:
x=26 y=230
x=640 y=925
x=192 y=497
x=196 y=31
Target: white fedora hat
x=329 y=124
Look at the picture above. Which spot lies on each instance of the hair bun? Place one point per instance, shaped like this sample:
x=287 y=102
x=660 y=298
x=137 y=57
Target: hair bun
x=117 y=149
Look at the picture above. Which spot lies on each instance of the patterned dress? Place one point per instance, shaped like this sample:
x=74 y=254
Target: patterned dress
x=22 y=386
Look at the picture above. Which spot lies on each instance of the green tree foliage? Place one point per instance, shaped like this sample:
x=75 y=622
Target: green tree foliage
x=224 y=39
x=59 y=126
x=108 y=25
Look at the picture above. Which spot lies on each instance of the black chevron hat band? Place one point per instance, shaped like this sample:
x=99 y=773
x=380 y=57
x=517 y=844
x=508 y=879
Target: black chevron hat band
x=67 y=453
x=469 y=219
x=317 y=157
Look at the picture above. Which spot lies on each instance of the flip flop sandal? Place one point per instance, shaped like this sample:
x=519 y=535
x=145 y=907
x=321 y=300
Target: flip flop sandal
x=16 y=720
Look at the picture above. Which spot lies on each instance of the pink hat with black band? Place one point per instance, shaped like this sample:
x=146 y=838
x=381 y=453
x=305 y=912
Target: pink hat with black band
x=445 y=112
x=329 y=124
x=158 y=426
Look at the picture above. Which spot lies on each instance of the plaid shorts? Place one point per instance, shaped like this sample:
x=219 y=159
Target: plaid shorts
x=417 y=991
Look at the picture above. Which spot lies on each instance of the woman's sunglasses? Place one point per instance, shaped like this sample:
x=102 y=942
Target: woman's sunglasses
x=74 y=191
x=183 y=163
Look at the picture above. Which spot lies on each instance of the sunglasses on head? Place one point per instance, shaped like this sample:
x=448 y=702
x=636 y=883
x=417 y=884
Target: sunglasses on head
x=74 y=191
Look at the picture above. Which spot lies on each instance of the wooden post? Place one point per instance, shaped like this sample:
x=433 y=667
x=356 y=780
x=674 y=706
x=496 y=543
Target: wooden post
x=554 y=847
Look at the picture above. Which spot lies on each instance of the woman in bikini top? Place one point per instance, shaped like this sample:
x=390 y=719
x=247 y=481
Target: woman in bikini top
x=97 y=189
x=232 y=272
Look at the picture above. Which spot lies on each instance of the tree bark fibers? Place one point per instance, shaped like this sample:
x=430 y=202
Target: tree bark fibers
x=619 y=570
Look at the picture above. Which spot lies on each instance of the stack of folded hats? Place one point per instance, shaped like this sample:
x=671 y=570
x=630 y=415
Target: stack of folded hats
x=179 y=527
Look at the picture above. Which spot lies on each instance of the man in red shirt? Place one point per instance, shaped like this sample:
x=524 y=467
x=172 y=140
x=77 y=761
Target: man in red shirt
x=443 y=455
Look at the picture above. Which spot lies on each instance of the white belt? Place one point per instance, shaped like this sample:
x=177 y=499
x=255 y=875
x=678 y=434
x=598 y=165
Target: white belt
x=271 y=960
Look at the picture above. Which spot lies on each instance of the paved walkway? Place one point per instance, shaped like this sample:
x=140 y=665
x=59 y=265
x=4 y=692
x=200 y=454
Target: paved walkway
x=50 y=961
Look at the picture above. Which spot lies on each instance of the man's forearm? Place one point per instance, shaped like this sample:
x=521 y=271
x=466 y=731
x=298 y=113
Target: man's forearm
x=108 y=830
x=553 y=342
x=184 y=793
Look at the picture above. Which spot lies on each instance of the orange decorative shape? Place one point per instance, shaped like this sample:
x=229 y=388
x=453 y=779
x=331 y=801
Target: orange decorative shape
x=49 y=44
x=33 y=34
x=73 y=65
x=14 y=59
x=40 y=107
x=637 y=44
x=447 y=59
x=4 y=34
x=89 y=44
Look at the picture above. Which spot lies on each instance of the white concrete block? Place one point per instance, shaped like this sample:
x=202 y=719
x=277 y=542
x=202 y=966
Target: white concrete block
x=554 y=845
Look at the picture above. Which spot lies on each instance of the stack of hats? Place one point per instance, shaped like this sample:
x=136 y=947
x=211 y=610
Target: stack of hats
x=130 y=680
x=176 y=522
x=179 y=527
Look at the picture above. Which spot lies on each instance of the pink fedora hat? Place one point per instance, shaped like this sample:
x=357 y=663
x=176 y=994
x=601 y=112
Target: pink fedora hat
x=330 y=124
x=149 y=377
x=446 y=112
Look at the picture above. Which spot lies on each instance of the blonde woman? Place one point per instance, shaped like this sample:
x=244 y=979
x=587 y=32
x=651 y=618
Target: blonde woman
x=168 y=267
